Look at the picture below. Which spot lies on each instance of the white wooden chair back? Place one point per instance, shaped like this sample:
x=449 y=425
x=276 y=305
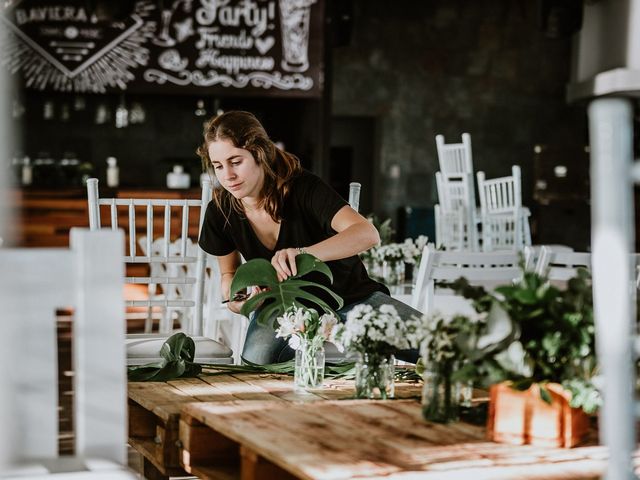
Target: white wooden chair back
x=532 y=254
x=33 y=283
x=456 y=222
x=450 y=228
x=171 y=292
x=168 y=256
x=487 y=269
x=503 y=220
x=500 y=195
x=454 y=194
x=182 y=261
x=354 y=195
x=455 y=159
x=561 y=266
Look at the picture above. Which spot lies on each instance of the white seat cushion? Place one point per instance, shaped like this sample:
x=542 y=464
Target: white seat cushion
x=333 y=355
x=145 y=348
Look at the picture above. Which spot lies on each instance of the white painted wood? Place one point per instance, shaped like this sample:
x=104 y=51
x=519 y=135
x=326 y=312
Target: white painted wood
x=220 y=323
x=611 y=138
x=455 y=158
x=504 y=219
x=560 y=266
x=354 y=195
x=177 y=271
x=99 y=355
x=34 y=282
x=488 y=269
x=92 y=197
x=456 y=195
x=456 y=227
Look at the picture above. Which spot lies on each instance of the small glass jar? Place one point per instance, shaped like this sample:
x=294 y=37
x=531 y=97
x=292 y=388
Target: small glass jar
x=309 y=365
x=375 y=376
x=441 y=396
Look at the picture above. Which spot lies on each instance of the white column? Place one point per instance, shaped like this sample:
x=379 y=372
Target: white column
x=612 y=233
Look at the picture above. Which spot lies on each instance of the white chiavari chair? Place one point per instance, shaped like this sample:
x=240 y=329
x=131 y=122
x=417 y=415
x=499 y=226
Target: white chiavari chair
x=505 y=224
x=560 y=266
x=456 y=195
x=455 y=159
x=487 y=269
x=354 y=195
x=456 y=226
x=182 y=287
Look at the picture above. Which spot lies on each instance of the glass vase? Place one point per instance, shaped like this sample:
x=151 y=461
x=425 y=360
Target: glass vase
x=375 y=376
x=309 y=365
x=441 y=396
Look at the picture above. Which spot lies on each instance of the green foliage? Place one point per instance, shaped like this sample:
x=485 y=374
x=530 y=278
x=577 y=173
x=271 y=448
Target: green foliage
x=279 y=296
x=178 y=353
x=180 y=344
x=551 y=339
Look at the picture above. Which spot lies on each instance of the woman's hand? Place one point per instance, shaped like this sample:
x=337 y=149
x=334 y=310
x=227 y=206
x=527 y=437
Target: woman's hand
x=284 y=261
x=236 y=305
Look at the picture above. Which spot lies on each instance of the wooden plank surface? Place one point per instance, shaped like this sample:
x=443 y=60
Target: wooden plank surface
x=155 y=413
x=335 y=440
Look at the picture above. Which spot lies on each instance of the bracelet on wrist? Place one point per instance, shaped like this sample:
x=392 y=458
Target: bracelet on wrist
x=301 y=250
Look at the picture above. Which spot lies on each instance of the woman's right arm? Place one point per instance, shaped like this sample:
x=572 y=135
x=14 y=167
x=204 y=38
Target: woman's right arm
x=228 y=266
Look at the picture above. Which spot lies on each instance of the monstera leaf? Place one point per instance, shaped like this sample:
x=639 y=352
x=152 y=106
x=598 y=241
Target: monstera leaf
x=281 y=295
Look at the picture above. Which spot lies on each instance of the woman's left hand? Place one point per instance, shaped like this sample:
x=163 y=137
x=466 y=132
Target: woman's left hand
x=284 y=261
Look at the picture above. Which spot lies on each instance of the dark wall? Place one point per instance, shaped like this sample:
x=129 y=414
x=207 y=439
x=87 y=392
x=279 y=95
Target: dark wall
x=420 y=68
x=170 y=134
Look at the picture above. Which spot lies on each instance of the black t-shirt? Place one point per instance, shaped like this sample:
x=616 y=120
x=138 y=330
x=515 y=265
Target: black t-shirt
x=306 y=220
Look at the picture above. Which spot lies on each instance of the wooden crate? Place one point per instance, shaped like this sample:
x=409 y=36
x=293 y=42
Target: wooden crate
x=155 y=409
x=359 y=439
x=523 y=418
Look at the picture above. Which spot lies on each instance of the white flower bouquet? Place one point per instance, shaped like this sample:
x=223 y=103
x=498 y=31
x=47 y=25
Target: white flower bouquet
x=392 y=252
x=373 y=331
x=375 y=334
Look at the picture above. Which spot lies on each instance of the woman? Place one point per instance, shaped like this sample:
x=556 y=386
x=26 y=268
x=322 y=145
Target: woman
x=268 y=207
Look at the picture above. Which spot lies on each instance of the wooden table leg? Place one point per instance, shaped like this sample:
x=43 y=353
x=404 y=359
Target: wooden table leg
x=255 y=467
x=150 y=472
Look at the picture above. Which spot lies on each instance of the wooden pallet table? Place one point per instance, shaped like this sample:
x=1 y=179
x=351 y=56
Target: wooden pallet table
x=154 y=409
x=359 y=439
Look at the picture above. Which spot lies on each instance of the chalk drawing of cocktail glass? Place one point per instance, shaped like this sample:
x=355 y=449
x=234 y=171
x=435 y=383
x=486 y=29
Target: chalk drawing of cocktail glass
x=294 y=21
x=164 y=38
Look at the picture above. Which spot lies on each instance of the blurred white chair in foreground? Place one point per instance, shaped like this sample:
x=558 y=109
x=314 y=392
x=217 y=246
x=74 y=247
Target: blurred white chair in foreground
x=33 y=283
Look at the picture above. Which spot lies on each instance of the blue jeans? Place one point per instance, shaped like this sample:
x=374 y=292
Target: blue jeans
x=262 y=347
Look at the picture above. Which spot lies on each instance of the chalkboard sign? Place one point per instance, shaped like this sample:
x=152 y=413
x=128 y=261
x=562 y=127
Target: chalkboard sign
x=265 y=47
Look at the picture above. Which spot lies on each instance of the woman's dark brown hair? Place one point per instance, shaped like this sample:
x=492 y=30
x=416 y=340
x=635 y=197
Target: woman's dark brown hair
x=245 y=131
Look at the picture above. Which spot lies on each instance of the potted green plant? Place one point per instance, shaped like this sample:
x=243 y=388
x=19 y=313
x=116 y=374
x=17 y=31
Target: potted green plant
x=537 y=353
